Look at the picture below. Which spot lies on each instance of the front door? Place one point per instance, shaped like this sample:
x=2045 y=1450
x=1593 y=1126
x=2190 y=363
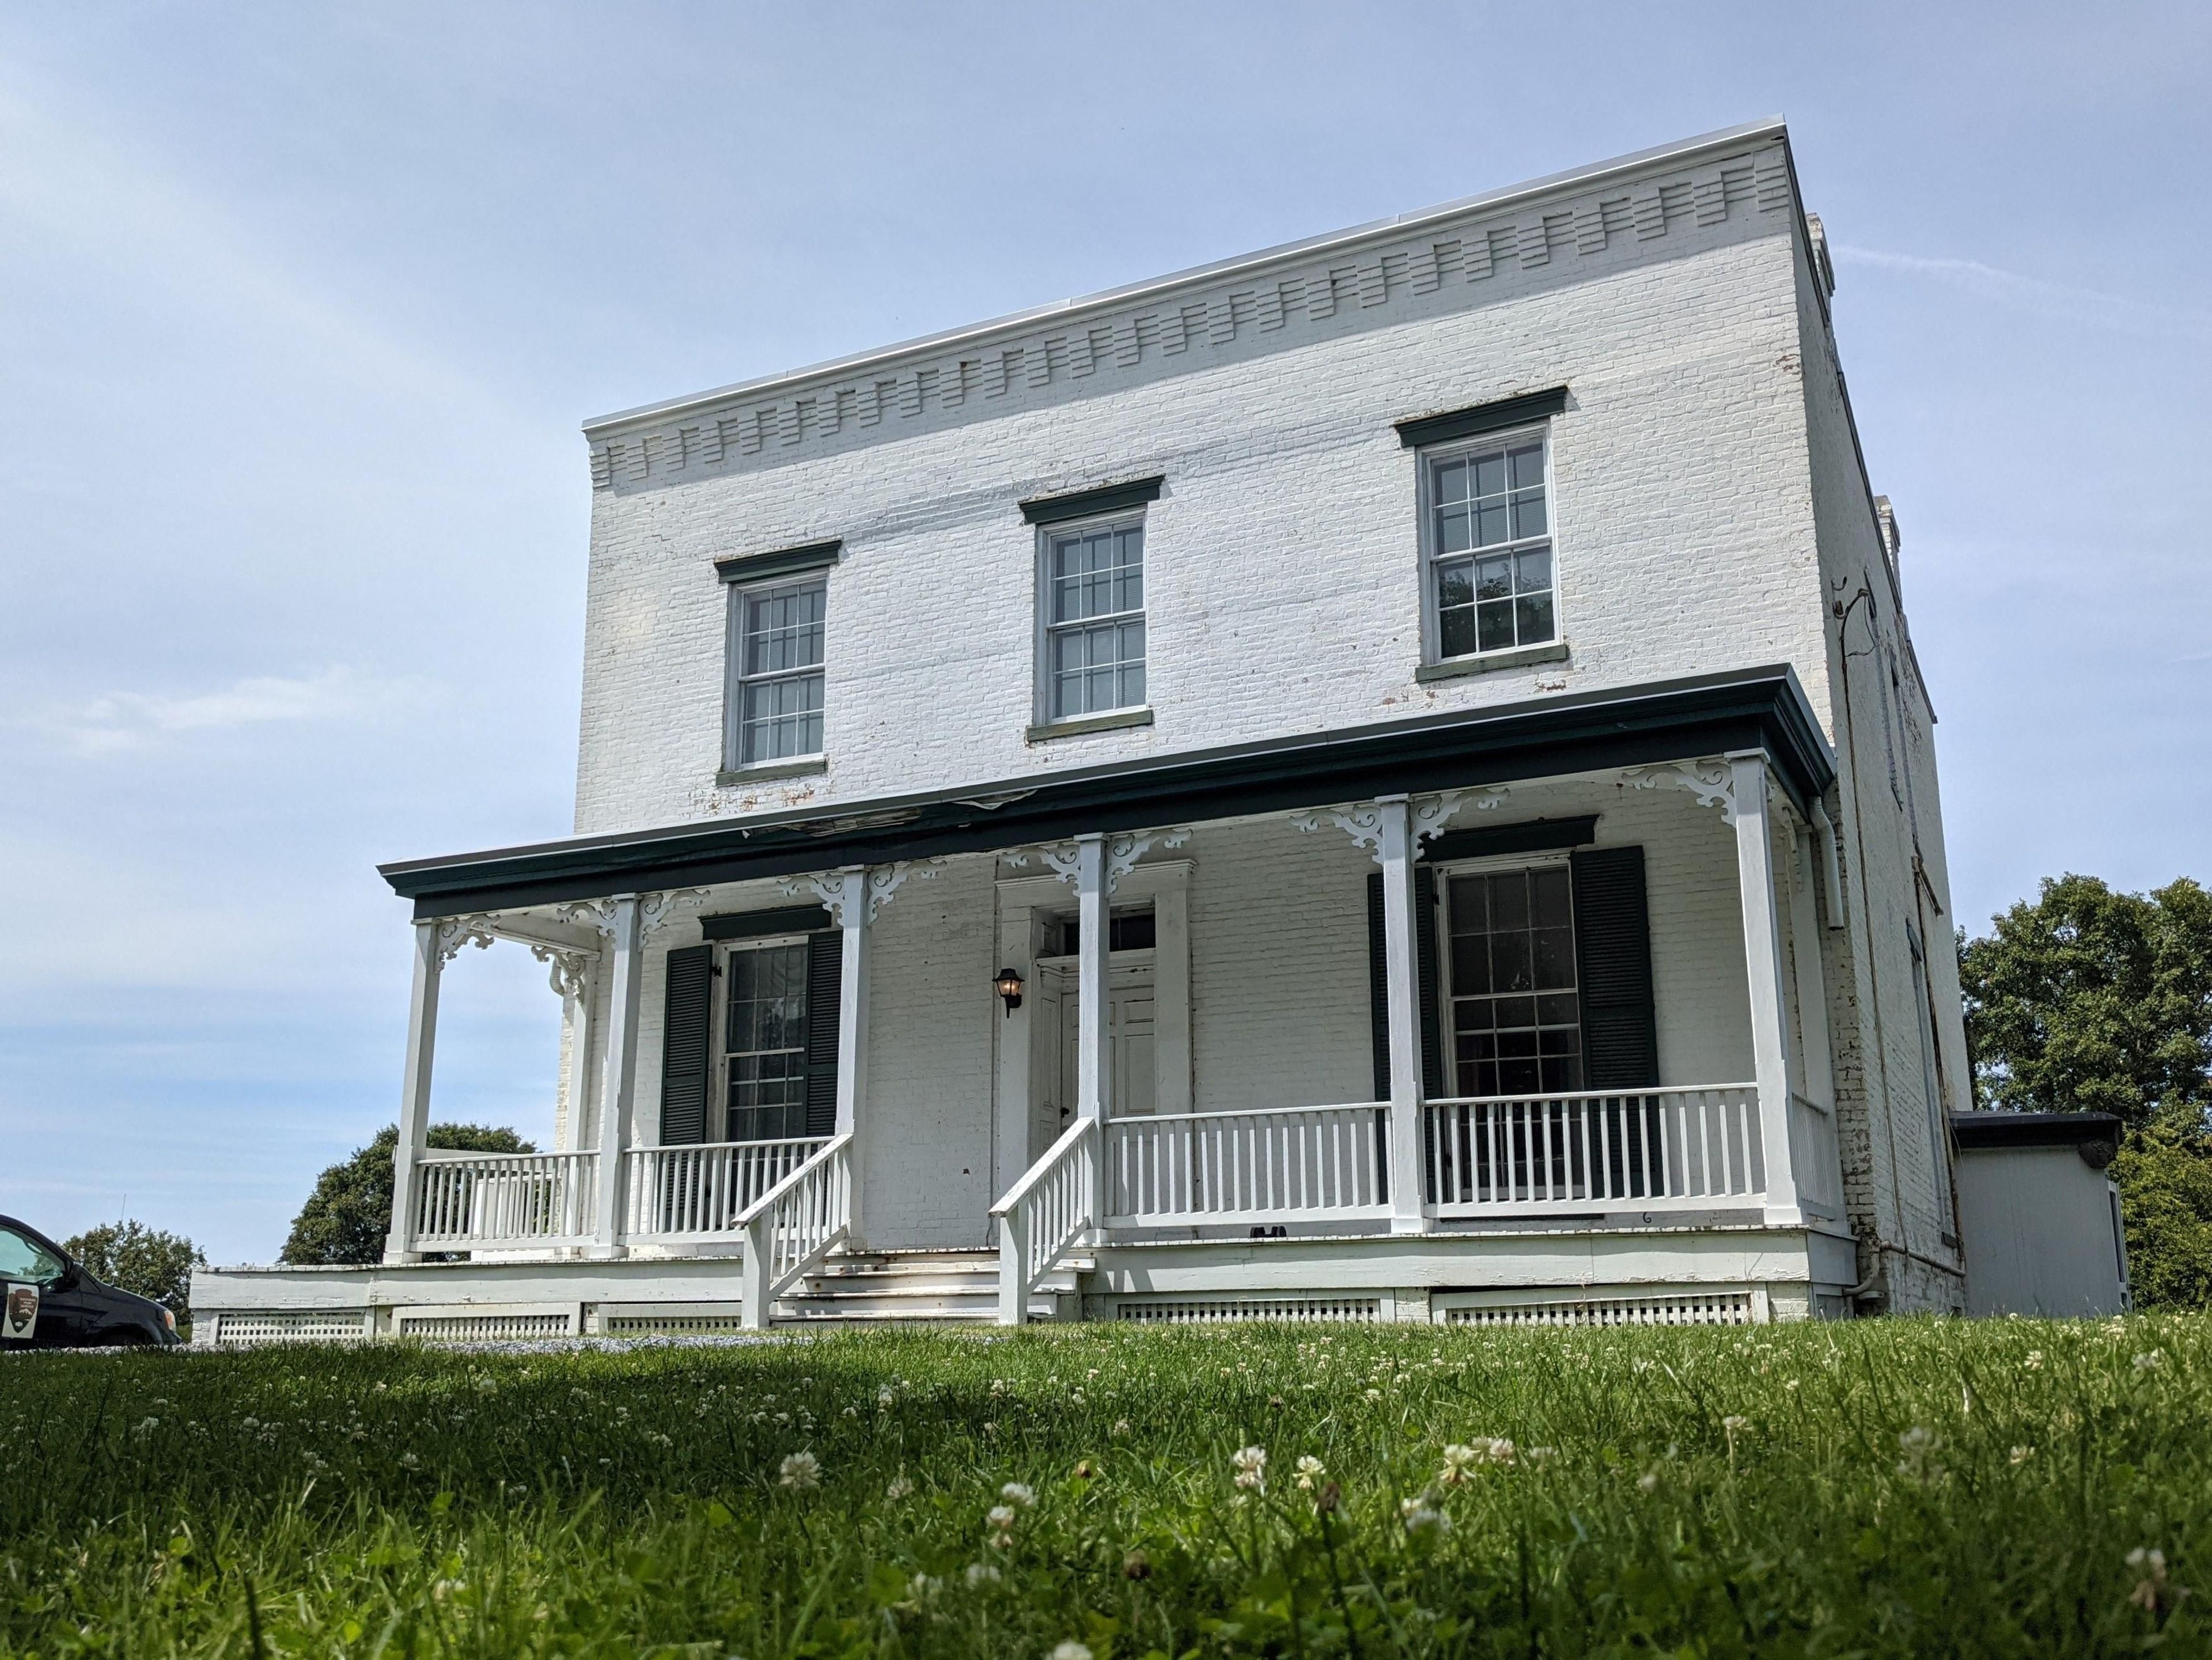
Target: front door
x=1130 y=1014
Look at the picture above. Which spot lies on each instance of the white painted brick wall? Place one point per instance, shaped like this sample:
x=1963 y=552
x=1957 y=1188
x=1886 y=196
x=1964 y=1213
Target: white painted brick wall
x=1281 y=559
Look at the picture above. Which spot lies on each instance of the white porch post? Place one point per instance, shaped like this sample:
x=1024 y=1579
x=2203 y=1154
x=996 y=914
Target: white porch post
x=415 y=1092
x=1396 y=851
x=1094 y=1047
x=1762 y=955
x=1819 y=1064
x=853 y=1033
x=618 y=1087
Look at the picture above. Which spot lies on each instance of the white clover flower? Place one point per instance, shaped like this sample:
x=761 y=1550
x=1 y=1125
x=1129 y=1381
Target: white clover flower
x=899 y=1488
x=801 y=1470
x=1736 y=1421
x=2150 y=1362
x=1120 y=1428
x=1310 y=1469
x=2021 y=1455
x=1373 y=1395
x=1648 y=1482
x=883 y=1395
x=980 y=1574
x=2034 y=1361
x=1014 y=1492
x=1459 y=1459
x=409 y=1461
x=1070 y=1649
x=1420 y=1517
x=923 y=1588
x=1250 y=1464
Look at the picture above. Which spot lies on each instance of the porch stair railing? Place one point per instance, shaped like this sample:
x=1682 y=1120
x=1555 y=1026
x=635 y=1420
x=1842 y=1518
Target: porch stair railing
x=1645 y=1150
x=698 y=1190
x=790 y=1228
x=1299 y=1164
x=1045 y=1215
x=469 y=1201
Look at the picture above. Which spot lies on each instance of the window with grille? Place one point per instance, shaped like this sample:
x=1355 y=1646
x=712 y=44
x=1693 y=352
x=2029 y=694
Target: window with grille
x=777 y=671
x=1513 y=1008
x=764 y=1042
x=1094 y=619
x=1489 y=536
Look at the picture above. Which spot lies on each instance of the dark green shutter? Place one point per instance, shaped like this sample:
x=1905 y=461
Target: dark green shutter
x=1612 y=949
x=825 y=963
x=687 y=1045
x=1378 y=983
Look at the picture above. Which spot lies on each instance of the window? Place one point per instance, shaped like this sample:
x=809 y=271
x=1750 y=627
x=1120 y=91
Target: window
x=25 y=1259
x=1094 y=619
x=1512 y=1008
x=764 y=1042
x=1489 y=537
x=1127 y=929
x=777 y=701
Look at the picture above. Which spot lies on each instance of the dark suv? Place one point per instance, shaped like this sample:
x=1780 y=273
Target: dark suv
x=51 y=1303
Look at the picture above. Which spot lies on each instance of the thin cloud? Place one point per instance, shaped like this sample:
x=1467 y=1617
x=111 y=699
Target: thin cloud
x=133 y=719
x=2058 y=300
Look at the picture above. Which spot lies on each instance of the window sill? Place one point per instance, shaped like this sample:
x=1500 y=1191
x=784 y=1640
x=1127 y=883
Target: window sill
x=1112 y=722
x=1489 y=662
x=769 y=771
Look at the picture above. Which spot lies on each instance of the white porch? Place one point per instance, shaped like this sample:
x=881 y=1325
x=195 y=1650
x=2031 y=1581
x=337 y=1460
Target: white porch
x=957 y=1126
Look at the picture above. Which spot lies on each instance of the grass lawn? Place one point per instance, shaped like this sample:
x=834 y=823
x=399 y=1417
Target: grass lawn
x=1887 y=1488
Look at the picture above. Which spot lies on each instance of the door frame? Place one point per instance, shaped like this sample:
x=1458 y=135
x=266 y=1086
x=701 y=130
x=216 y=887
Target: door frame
x=1026 y=904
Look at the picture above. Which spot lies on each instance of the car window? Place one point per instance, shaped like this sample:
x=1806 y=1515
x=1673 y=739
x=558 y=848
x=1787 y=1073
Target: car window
x=26 y=1259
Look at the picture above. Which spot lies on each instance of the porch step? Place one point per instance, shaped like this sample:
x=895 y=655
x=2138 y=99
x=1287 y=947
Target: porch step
x=917 y=1287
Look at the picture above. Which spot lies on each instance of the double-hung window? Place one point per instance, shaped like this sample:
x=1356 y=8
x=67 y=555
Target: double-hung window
x=1512 y=1003
x=1093 y=618
x=764 y=1028
x=777 y=674
x=1488 y=546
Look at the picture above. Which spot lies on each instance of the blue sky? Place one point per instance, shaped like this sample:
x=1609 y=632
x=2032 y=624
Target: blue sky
x=300 y=307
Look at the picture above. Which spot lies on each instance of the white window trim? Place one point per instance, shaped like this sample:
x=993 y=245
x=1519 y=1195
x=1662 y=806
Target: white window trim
x=1426 y=460
x=734 y=679
x=724 y=962
x=1045 y=720
x=1491 y=864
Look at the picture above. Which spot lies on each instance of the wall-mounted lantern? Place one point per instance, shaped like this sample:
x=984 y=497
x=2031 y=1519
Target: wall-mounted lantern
x=1008 y=985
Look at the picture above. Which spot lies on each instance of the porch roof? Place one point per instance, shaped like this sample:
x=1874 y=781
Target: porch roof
x=1760 y=708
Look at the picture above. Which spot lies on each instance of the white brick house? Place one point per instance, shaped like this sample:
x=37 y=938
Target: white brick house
x=1387 y=777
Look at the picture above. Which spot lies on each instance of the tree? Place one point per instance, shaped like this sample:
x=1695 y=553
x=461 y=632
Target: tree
x=136 y=1258
x=346 y=1219
x=2089 y=1001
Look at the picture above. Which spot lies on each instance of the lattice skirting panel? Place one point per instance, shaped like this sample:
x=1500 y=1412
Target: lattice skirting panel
x=1206 y=1310
x=485 y=1325
x=333 y=1326
x=1702 y=1308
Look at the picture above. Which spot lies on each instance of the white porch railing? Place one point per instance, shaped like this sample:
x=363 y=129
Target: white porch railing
x=1815 y=1157
x=1646 y=1150
x=1284 y=1163
x=794 y=1225
x=469 y=1201
x=1043 y=1216
x=698 y=1191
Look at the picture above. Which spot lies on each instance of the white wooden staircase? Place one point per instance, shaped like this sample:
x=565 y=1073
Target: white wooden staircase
x=922 y=1287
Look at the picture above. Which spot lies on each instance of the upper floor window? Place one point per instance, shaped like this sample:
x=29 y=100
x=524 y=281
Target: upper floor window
x=1489 y=546
x=776 y=694
x=1094 y=619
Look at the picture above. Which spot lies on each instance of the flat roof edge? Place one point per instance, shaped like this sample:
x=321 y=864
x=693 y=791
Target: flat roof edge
x=1770 y=127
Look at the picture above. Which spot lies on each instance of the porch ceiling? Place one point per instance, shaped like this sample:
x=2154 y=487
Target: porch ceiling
x=1672 y=720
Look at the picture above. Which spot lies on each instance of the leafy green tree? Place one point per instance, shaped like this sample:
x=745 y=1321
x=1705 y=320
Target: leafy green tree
x=136 y=1258
x=2164 y=1173
x=348 y=1216
x=2089 y=1001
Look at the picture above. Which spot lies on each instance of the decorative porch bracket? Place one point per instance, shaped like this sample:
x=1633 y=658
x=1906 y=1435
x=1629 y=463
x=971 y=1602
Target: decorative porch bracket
x=1740 y=785
x=1393 y=829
